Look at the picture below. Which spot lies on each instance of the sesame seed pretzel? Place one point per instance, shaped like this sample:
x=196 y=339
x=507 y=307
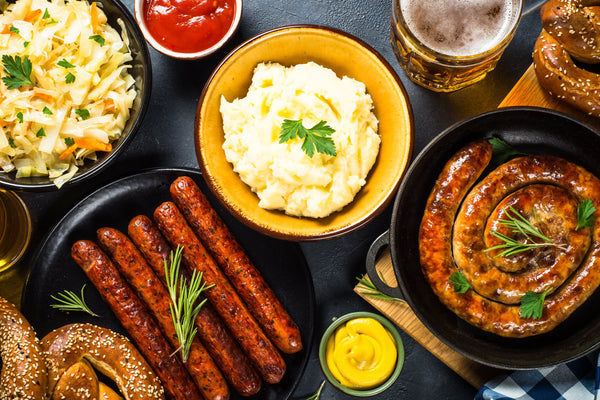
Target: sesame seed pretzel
x=24 y=373
x=571 y=33
x=112 y=354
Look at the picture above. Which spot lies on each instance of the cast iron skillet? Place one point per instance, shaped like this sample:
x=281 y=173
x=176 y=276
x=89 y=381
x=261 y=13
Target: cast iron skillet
x=531 y=130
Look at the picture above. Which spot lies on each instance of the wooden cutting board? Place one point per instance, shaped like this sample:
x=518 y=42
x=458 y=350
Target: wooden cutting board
x=527 y=92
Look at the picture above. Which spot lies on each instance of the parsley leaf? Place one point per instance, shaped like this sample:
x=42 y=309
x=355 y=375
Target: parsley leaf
x=98 y=39
x=18 y=73
x=69 y=78
x=461 y=285
x=14 y=29
x=502 y=151
x=316 y=138
x=47 y=111
x=532 y=304
x=40 y=132
x=46 y=14
x=65 y=64
x=69 y=141
x=20 y=116
x=585 y=209
x=11 y=143
x=83 y=113
x=25 y=44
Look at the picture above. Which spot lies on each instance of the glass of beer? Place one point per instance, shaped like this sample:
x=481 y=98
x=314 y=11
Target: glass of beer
x=15 y=228
x=445 y=45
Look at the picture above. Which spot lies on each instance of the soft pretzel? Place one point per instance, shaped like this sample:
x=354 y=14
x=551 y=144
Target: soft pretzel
x=571 y=33
x=80 y=382
x=109 y=352
x=24 y=373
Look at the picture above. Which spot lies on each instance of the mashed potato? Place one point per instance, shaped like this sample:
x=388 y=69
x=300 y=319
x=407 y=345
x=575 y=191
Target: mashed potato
x=282 y=175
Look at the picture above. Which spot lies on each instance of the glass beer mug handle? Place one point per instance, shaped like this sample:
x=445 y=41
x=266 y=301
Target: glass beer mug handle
x=530 y=6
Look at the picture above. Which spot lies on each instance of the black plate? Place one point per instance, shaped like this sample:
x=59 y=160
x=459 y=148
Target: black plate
x=529 y=129
x=281 y=263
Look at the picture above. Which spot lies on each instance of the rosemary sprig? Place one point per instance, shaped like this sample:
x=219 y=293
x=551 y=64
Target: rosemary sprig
x=184 y=301
x=317 y=395
x=68 y=301
x=367 y=288
x=520 y=224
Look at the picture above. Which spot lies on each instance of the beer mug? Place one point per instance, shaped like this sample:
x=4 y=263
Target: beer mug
x=445 y=45
x=15 y=228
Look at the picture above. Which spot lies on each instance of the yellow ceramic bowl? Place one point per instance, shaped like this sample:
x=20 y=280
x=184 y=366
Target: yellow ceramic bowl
x=347 y=56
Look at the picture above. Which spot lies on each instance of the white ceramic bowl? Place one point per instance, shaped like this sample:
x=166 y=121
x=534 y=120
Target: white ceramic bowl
x=139 y=16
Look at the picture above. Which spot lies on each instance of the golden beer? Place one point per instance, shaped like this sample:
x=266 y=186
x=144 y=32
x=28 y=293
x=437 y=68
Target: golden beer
x=15 y=228
x=445 y=45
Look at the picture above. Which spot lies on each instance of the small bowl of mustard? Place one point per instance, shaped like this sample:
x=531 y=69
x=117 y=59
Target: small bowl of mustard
x=361 y=354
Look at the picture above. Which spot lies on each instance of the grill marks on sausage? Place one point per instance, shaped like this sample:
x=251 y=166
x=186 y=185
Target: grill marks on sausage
x=453 y=184
x=223 y=348
x=154 y=294
x=233 y=260
x=231 y=334
x=135 y=318
x=265 y=357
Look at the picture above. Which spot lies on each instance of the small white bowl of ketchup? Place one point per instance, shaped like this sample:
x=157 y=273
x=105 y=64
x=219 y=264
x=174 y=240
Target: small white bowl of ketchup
x=188 y=29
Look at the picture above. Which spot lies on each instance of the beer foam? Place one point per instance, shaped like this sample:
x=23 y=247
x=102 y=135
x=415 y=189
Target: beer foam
x=460 y=27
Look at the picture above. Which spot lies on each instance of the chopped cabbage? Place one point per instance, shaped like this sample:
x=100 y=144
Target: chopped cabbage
x=76 y=65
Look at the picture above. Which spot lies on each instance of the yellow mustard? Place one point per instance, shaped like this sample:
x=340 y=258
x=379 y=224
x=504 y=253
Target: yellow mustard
x=361 y=354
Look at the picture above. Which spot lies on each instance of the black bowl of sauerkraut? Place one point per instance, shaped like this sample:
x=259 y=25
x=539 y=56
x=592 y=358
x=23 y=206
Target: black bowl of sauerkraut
x=76 y=81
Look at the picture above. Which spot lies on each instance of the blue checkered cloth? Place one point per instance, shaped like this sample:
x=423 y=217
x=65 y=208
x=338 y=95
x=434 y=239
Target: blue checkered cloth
x=576 y=380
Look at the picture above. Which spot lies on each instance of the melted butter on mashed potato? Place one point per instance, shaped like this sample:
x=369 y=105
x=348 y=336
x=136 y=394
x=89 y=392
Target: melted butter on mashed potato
x=281 y=174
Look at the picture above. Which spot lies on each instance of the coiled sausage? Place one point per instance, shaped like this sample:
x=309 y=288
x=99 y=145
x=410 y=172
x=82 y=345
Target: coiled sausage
x=435 y=237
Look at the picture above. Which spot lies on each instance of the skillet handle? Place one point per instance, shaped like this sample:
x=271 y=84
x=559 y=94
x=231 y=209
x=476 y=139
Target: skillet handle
x=379 y=244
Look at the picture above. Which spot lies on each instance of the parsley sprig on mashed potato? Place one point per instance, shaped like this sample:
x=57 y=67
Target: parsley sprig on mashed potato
x=78 y=94
x=281 y=173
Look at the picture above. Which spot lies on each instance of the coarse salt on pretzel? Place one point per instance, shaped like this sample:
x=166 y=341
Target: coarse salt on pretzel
x=571 y=33
x=110 y=353
x=24 y=373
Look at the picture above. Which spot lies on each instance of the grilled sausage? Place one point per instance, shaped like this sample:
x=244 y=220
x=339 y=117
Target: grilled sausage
x=223 y=348
x=136 y=320
x=222 y=295
x=504 y=279
x=154 y=294
x=24 y=373
x=435 y=236
x=233 y=260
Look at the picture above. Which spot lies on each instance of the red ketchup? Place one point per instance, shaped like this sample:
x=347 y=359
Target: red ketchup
x=188 y=26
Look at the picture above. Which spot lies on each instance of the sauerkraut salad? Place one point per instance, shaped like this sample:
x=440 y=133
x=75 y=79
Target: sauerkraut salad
x=65 y=92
